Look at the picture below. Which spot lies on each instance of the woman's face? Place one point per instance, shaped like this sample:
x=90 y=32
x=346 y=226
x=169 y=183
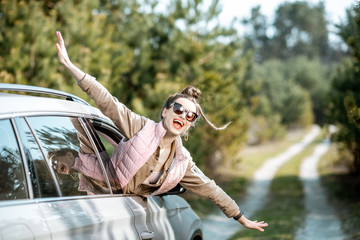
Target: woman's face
x=65 y=163
x=177 y=124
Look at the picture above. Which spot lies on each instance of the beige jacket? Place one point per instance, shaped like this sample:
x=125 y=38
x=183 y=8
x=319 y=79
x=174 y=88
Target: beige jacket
x=129 y=123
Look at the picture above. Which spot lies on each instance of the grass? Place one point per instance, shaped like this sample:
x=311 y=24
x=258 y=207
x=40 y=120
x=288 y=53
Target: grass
x=284 y=209
x=343 y=191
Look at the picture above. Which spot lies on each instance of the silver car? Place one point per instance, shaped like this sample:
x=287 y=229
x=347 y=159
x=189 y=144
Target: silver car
x=43 y=196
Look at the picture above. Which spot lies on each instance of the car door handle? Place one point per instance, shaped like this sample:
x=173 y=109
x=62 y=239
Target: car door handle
x=147 y=235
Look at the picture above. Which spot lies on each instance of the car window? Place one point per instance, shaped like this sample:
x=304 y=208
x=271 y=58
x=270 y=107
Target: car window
x=12 y=177
x=106 y=139
x=70 y=153
x=41 y=179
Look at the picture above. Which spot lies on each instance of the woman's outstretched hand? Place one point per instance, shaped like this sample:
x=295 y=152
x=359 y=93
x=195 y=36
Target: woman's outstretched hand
x=252 y=224
x=62 y=53
x=65 y=60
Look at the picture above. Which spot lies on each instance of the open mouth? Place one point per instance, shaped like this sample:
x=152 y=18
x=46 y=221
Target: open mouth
x=178 y=124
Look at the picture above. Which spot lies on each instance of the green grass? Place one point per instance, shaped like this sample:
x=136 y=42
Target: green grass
x=284 y=208
x=343 y=191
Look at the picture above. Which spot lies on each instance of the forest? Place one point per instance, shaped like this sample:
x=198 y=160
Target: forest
x=277 y=76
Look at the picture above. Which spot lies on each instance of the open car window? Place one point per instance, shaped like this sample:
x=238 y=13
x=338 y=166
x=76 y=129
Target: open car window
x=106 y=138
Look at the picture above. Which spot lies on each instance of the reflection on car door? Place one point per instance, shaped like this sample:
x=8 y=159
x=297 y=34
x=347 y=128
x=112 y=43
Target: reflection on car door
x=87 y=209
x=20 y=217
x=151 y=219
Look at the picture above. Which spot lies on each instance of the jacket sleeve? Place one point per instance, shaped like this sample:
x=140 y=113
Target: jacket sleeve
x=195 y=181
x=128 y=122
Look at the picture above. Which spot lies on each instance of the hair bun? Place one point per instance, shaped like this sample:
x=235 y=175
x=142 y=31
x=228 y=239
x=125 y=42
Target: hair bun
x=191 y=91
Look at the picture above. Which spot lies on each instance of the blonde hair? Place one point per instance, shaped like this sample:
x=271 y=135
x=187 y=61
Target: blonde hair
x=193 y=95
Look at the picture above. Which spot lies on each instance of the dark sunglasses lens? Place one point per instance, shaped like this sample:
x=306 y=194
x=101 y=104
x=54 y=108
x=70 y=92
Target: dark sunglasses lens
x=190 y=116
x=178 y=109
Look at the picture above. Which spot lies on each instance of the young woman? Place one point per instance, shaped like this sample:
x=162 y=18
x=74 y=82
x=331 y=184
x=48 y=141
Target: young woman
x=152 y=160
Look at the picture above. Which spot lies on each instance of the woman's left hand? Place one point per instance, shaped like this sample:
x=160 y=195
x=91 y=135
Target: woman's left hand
x=252 y=224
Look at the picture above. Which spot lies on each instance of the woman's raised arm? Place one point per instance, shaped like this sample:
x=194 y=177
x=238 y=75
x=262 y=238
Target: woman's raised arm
x=65 y=60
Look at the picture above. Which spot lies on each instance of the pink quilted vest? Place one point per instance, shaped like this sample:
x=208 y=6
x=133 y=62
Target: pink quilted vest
x=129 y=156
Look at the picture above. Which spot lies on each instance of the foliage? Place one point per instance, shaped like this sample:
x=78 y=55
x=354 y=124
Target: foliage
x=296 y=60
x=345 y=86
x=299 y=29
x=344 y=97
x=304 y=32
x=315 y=78
x=277 y=88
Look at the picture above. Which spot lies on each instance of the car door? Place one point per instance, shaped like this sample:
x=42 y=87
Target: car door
x=86 y=207
x=20 y=215
x=151 y=219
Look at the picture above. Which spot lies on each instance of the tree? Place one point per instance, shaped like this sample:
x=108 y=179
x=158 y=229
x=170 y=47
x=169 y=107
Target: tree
x=314 y=77
x=344 y=97
x=300 y=29
x=285 y=97
x=257 y=38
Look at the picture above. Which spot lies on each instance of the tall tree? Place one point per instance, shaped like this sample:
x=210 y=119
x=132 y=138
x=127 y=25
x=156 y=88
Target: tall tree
x=301 y=29
x=344 y=97
x=256 y=36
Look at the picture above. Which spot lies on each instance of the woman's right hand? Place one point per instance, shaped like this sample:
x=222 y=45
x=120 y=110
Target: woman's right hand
x=62 y=53
x=65 y=60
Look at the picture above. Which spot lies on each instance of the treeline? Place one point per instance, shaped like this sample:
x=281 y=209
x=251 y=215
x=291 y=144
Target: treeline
x=264 y=83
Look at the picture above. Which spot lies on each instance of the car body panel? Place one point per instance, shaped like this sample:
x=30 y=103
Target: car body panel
x=22 y=219
x=151 y=216
x=178 y=210
x=106 y=217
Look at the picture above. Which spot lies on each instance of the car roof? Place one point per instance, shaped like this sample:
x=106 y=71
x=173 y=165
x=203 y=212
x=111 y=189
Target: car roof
x=25 y=105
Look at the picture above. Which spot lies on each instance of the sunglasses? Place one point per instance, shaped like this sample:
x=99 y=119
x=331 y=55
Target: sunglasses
x=179 y=109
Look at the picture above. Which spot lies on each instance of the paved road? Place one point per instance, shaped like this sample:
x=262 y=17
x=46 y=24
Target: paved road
x=217 y=226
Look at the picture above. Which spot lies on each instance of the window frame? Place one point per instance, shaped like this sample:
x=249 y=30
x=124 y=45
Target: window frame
x=23 y=159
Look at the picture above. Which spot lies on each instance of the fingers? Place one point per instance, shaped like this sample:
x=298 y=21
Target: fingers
x=260 y=226
x=60 y=39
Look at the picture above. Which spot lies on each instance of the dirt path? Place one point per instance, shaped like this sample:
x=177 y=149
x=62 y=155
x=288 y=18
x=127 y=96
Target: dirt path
x=217 y=226
x=321 y=221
